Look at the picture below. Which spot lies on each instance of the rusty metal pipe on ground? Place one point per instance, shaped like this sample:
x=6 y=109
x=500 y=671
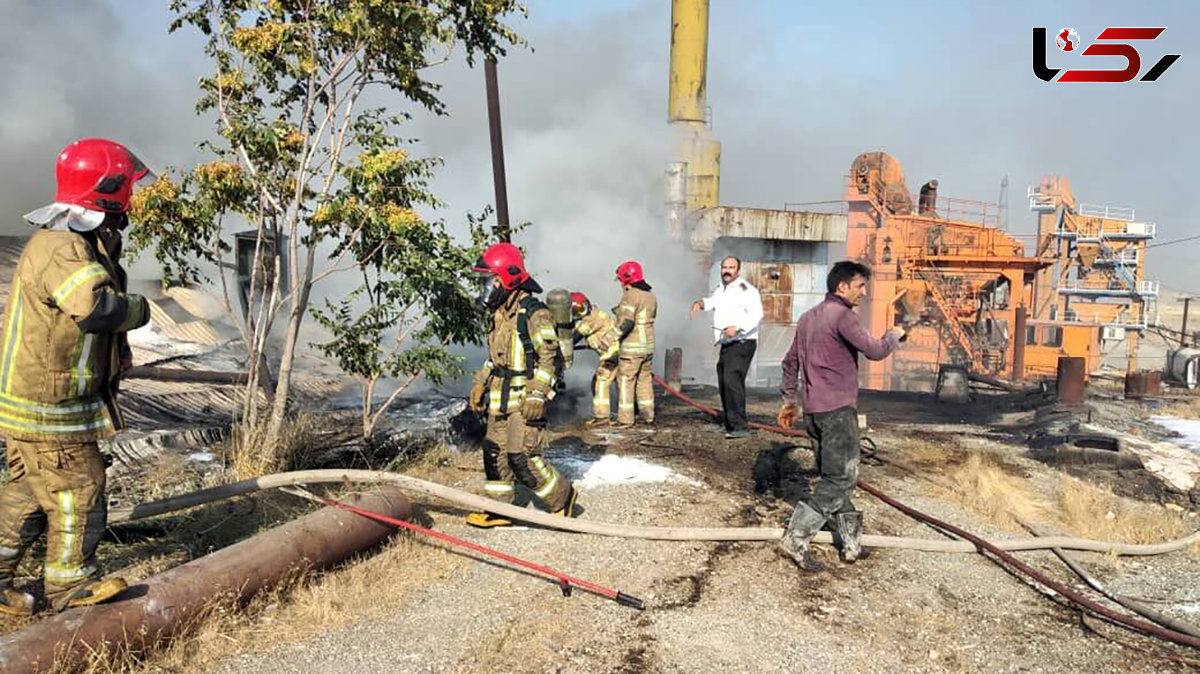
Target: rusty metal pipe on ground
x=160 y=606
x=191 y=376
x=1011 y=387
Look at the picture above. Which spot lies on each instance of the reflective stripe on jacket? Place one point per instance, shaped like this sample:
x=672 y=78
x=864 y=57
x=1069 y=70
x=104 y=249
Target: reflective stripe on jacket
x=63 y=336
x=508 y=370
x=640 y=307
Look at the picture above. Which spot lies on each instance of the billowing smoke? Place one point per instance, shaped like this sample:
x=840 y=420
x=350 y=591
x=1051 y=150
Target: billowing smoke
x=74 y=68
x=587 y=147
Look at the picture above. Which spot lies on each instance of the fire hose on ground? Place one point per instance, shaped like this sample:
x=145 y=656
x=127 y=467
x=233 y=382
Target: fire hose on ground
x=544 y=519
x=998 y=555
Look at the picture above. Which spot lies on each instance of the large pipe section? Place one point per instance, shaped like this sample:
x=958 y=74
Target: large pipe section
x=181 y=375
x=162 y=605
x=687 y=107
x=677 y=194
x=1183 y=367
x=689 y=62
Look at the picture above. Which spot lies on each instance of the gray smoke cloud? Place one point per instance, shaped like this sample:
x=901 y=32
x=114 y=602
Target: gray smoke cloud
x=77 y=68
x=795 y=97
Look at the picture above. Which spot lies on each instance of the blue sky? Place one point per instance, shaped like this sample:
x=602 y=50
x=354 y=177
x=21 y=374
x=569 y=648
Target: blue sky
x=797 y=90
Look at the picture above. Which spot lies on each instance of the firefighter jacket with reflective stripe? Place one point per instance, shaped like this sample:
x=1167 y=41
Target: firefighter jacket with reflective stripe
x=638 y=307
x=63 y=340
x=600 y=332
x=519 y=359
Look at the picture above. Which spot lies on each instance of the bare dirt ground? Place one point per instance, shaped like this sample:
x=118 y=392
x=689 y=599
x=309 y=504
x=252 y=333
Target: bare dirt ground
x=739 y=607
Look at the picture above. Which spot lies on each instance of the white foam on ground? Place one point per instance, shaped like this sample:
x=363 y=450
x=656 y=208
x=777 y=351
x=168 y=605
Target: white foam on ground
x=612 y=469
x=1188 y=428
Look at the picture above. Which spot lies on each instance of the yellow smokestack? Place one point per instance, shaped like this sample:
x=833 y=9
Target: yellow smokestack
x=689 y=61
x=687 y=104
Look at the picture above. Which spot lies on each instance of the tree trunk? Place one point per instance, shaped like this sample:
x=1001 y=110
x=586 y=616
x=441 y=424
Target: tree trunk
x=368 y=422
x=283 y=388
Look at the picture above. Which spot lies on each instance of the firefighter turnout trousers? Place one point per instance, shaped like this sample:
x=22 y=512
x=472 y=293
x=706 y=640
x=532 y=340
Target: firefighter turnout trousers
x=56 y=487
x=636 y=388
x=602 y=381
x=512 y=453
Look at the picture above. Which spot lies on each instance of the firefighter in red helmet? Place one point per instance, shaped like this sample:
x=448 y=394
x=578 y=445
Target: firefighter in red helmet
x=635 y=324
x=63 y=353
x=514 y=385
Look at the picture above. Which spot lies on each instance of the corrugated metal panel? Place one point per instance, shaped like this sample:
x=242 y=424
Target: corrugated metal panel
x=763 y=223
x=199 y=332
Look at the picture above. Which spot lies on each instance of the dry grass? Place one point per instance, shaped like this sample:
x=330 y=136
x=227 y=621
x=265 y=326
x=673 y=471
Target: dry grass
x=985 y=488
x=249 y=455
x=1095 y=512
x=1188 y=408
x=928 y=452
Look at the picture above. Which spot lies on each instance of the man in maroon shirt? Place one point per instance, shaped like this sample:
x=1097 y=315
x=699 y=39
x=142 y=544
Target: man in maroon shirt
x=824 y=354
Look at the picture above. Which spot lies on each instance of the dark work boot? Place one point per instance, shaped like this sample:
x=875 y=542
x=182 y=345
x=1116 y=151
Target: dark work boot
x=568 y=509
x=13 y=602
x=848 y=527
x=805 y=524
x=88 y=593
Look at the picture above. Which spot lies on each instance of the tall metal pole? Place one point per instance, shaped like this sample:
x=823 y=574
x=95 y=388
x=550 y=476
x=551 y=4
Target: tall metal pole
x=1183 y=328
x=1018 y=362
x=493 y=105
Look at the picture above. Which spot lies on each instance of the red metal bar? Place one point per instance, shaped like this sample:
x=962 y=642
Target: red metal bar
x=564 y=580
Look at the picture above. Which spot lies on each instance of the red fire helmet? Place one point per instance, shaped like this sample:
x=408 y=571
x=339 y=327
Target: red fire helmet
x=505 y=261
x=630 y=272
x=98 y=175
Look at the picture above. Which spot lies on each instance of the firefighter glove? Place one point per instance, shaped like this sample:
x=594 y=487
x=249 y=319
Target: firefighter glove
x=788 y=413
x=478 y=397
x=533 y=408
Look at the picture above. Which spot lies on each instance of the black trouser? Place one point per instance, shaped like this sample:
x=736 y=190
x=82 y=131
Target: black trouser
x=836 y=436
x=732 y=367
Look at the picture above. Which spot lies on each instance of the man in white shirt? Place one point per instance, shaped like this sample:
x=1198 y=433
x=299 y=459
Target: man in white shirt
x=737 y=311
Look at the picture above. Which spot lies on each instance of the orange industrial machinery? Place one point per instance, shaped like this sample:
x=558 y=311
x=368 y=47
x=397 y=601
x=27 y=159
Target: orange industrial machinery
x=1097 y=278
x=961 y=285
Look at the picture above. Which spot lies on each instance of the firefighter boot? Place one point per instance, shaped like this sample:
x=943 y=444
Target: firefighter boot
x=16 y=603
x=89 y=593
x=848 y=527
x=568 y=510
x=486 y=520
x=805 y=524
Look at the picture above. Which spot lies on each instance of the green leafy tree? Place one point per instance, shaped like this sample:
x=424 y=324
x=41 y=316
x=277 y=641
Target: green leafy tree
x=410 y=305
x=301 y=162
